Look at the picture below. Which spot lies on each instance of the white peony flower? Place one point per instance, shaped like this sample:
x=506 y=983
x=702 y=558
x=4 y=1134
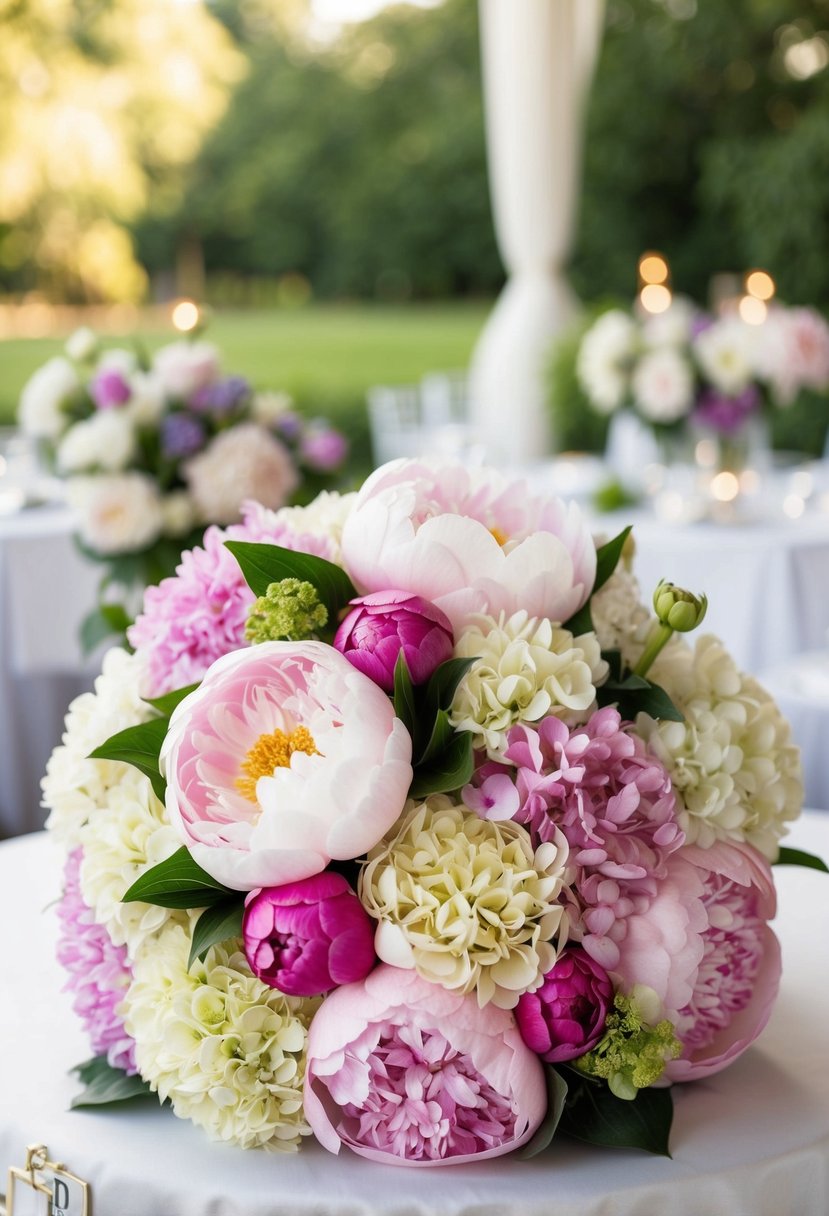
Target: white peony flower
x=105 y=441
x=243 y=462
x=118 y=513
x=269 y=407
x=604 y=358
x=120 y=841
x=117 y=359
x=671 y=327
x=147 y=400
x=44 y=397
x=75 y=787
x=178 y=513
x=725 y=352
x=183 y=367
x=227 y=1051
x=525 y=669
x=734 y=769
x=663 y=386
x=466 y=902
x=82 y=344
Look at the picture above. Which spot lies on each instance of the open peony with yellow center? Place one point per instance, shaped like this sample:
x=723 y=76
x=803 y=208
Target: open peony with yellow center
x=469 y=904
x=284 y=759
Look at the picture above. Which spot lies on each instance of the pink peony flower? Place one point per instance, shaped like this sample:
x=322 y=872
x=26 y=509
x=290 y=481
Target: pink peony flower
x=739 y=973
x=469 y=541
x=308 y=937
x=379 y=626
x=283 y=759
x=406 y=1073
x=98 y=972
x=565 y=1017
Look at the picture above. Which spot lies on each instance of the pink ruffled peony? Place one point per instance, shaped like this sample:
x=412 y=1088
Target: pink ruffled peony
x=98 y=972
x=308 y=937
x=469 y=541
x=283 y=759
x=380 y=626
x=565 y=1017
x=739 y=973
x=406 y=1073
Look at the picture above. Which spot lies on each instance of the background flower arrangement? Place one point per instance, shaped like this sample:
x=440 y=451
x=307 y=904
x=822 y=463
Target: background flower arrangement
x=718 y=374
x=408 y=824
x=153 y=448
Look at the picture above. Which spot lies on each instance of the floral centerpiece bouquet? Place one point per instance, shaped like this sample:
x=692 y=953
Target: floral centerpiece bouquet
x=717 y=374
x=154 y=448
x=407 y=824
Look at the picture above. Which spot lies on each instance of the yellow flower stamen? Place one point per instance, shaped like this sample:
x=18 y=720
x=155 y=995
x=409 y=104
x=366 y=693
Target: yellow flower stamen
x=271 y=752
x=500 y=536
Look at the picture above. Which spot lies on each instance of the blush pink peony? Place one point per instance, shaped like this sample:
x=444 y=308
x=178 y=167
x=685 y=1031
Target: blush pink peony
x=283 y=759
x=407 y=1073
x=469 y=541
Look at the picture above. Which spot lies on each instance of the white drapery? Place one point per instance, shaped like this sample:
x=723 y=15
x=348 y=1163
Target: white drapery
x=537 y=59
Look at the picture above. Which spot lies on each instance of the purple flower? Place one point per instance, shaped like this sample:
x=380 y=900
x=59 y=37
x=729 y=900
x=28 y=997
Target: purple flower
x=323 y=449
x=381 y=625
x=109 y=389
x=182 y=435
x=565 y=1017
x=224 y=397
x=726 y=414
x=98 y=972
x=308 y=937
x=289 y=425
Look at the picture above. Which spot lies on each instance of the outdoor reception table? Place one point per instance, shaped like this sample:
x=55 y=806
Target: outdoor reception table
x=46 y=588
x=751 y=1141
x=801 y=688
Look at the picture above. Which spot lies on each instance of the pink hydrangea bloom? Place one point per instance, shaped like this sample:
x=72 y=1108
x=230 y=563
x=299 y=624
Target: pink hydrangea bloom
x=469 y=541
x=199 y=614
x=98 y=972
x=407 y=1073
x=739 y=973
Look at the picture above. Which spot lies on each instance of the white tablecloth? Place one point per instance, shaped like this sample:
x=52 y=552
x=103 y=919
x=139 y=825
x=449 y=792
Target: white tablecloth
x=767 y=583
x=801 y=689
x=46 y=589
x=752 y=1141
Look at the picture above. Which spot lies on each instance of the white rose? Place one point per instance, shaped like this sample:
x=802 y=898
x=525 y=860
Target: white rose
x=146 y=404
x=116 y=514
x=117 y=359
x=104 y=441
x=44 y=396
x=604 y=357
x=663 y=386
x=725 y=351
x=183 y=367
x=178 y=512
x=82 y=344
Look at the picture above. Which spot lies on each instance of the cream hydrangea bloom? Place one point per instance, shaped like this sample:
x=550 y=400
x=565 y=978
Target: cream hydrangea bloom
x=130 y=835
x=735 y=771
x=526 y=669
x=620 y=618
x=468 y=903
x=323 y=518
x=226 y=1050
x=74 y=786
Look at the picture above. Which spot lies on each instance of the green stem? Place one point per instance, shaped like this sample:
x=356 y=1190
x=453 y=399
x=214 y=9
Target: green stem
x=659 y=635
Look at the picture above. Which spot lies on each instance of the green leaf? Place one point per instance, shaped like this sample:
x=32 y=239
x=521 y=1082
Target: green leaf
x=178 y=882
x=635 y=695
x=447 y=771
x=580 y=622
x=444 y=680
x=139 y=746
x=266 y=564
x=556 y=1096
x=215 y=925
x=104 y=1084
x=593 y=1114
x=404 y=697
x=607 y=558
x=796 y=857
x=103 y=622
x=439 y=740
x=166 y=704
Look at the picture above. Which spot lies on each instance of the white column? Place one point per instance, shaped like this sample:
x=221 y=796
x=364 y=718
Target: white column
x=537 y=58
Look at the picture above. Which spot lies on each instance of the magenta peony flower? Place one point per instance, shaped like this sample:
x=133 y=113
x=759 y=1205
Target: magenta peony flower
x=469 y=541
x=379 y=626
x=565 y=1017
x=283 y=759
x=109 y=389
x=739 y=973
x=308 y=937
x=407 y=1073
x=98 y=972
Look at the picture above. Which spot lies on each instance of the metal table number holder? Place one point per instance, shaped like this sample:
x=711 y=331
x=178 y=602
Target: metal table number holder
x=62 y=1193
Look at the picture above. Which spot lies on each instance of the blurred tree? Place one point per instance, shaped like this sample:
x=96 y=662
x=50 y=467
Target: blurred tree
x=708 y=139
x=103 y=102
x=358 y=165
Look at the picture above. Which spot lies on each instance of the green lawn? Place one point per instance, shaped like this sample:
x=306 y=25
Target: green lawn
x=326 y=356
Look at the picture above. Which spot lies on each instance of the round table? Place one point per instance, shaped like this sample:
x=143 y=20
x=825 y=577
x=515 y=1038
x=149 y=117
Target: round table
x=751 y=1141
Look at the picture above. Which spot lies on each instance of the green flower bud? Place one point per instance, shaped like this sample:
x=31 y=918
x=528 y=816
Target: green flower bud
x=680 y=610
x=290 y=610
x=631 y=1054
